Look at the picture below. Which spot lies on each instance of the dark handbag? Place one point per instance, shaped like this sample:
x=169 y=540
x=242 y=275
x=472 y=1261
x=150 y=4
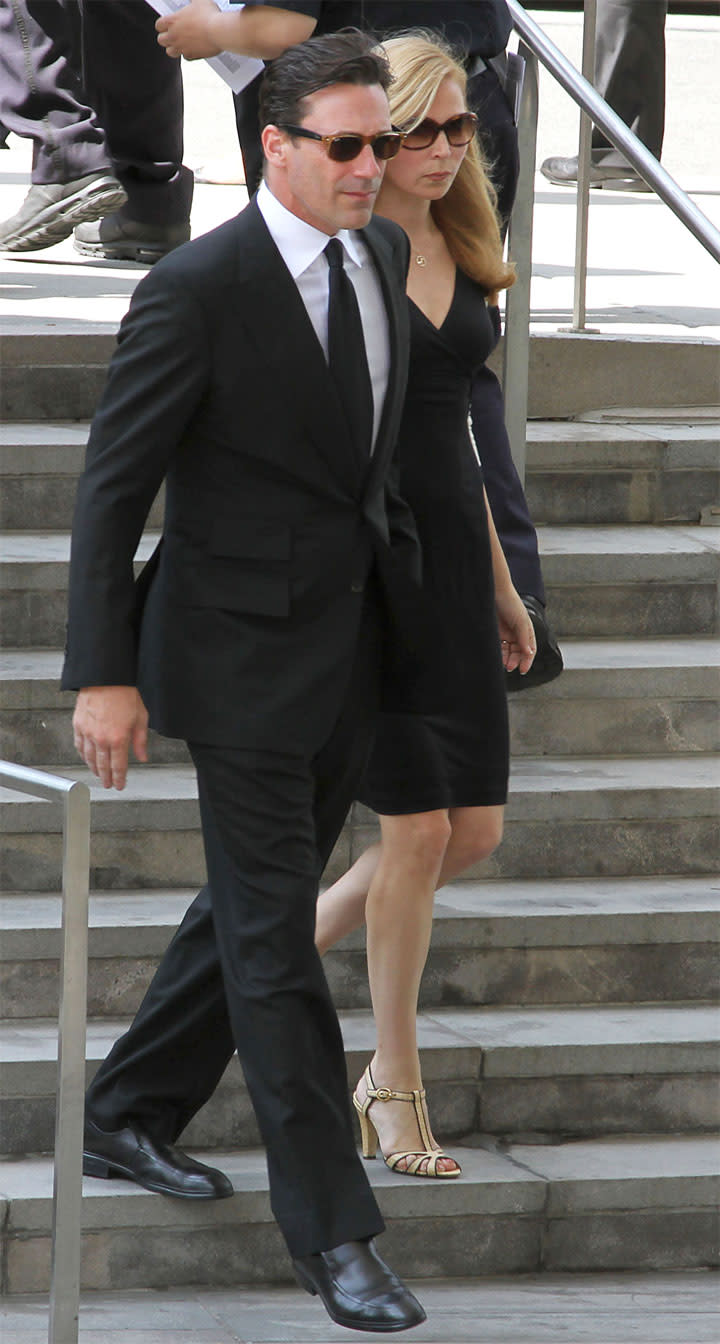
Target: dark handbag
x=548 y=661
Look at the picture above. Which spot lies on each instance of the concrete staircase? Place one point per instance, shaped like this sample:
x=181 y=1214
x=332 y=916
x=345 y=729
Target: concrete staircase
x=569 y=1042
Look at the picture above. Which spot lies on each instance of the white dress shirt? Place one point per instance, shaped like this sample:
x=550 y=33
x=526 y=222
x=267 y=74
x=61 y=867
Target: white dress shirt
x=301 y=247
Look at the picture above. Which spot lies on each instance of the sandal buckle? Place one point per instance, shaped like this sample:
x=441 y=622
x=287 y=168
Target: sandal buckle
x=383 y=1094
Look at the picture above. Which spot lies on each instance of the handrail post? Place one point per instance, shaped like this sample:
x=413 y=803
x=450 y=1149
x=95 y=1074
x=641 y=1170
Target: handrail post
x=67 y=1181
x=516 y=351
x=72 y=1021
x=583 y=181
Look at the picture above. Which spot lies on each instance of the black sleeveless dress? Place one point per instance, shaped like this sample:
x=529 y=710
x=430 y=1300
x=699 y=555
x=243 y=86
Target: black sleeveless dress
x=458 y=758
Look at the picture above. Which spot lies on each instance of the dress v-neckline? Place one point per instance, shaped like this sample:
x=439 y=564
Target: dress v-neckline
x=429 y=319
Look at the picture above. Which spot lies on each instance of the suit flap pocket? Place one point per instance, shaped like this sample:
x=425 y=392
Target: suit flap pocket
x=250 y=539
x=254 y=592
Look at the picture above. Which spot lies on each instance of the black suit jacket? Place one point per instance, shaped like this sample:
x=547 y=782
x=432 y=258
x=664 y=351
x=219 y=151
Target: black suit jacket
x=251 y=604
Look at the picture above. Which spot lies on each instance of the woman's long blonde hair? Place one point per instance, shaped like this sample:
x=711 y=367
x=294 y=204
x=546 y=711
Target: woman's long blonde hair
x=467 y=215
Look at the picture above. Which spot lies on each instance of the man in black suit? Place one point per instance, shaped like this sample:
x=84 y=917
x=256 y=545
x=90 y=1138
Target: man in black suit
x=265 y=611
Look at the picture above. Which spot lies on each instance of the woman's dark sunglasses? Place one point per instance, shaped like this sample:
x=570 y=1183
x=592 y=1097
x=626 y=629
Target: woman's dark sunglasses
x=459 y=131
x=344 y=147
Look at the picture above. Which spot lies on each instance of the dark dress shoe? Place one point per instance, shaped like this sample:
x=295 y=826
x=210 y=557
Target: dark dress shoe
x=116 y=238
x=156 y=1166
x=548 y=661
x=358 y=1289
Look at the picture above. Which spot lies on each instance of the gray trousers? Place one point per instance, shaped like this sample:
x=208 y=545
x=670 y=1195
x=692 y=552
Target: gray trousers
x=86 y=81
x=41 y=97
x=630 y=72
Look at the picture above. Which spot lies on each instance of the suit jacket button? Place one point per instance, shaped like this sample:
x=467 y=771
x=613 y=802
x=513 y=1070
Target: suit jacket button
x=357 y=587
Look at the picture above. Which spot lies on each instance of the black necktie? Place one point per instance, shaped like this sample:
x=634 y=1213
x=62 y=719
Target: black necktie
x=347 y=358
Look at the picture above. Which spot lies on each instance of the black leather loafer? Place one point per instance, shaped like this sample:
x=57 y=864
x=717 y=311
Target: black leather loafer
x=157 y=1166
x=358 y=1289
x=548 y=661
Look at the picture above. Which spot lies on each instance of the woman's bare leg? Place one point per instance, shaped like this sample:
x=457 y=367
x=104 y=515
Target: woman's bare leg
x=476 y=832
x=341 y=908
x=399 y=922
x=393 y=886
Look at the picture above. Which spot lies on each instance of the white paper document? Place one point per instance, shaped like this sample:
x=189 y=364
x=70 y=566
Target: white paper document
x=237 y=71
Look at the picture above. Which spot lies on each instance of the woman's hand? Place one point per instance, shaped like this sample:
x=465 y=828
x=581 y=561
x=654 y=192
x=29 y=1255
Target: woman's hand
x=190 y=32
x=517 y=634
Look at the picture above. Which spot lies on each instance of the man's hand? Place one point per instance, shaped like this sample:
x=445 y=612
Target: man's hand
x=107 y=720
x=190 y=32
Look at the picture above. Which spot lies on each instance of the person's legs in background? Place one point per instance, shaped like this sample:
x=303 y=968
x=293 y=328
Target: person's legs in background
x=42 y=99
x=630 y=76
x=137 y=92
x=630 y=73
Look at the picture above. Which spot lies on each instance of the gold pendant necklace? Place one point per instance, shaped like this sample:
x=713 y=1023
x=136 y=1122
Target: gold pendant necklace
x=420 y=260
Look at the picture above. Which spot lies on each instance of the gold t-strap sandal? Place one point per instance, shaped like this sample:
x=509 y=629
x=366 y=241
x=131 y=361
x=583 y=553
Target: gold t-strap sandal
x=420 y=1162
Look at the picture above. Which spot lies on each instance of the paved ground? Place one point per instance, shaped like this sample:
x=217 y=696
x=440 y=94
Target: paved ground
x=647 y=275
x=678 y=1308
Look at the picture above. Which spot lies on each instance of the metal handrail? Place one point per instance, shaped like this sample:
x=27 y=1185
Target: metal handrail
x=536 y=46
x=67 y=1176
x=620 y=135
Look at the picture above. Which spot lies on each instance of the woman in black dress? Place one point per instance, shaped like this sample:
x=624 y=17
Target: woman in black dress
x=439 y=783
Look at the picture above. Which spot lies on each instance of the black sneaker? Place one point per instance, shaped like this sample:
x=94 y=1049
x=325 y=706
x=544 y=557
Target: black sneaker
x=118 y=239
x=50 y=212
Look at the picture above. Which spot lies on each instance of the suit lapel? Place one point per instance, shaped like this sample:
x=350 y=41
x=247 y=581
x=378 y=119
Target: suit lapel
x=279 y=326
x=396 y=308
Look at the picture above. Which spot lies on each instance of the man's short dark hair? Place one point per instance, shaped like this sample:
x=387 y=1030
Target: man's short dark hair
x=347 y=57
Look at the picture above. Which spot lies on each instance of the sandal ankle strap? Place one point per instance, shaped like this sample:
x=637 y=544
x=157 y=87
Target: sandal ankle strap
x=388 y=1094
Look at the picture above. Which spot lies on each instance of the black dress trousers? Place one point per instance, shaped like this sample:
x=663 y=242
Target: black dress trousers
x=136 y=91
x=243 y=972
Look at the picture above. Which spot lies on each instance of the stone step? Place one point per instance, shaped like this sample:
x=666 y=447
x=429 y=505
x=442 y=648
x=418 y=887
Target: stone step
x=656 y=697
x=634 y=582
x=640 y=696
x=605 y=582
x=579 y=941
x=638 y=1203
x=59 y=373
x=568 y=817
x=638 y=472
x=39 y=467
x=641 y=1306
x=577 y=471
x=551 y=1073
x=33 y=586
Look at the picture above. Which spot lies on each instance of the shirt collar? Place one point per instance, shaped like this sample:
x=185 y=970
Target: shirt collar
x=298 y=243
